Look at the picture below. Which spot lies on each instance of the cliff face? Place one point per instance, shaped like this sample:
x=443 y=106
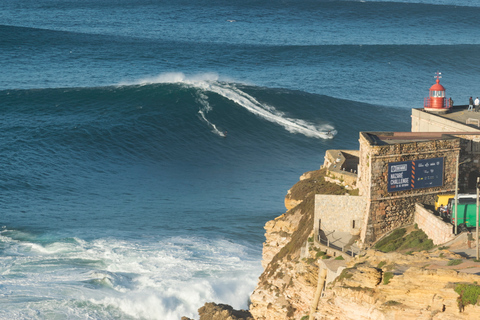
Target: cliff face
x=287 y=286
x=375 y=286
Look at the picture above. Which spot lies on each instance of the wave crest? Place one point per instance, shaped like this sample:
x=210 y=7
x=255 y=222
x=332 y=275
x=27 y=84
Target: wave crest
x=211 y=82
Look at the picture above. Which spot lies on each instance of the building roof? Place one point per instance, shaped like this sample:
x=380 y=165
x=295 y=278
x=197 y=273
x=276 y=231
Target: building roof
x=385 y=138
x=461 y=115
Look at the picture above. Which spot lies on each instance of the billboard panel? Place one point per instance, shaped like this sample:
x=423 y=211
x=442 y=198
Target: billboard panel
x=416 y=174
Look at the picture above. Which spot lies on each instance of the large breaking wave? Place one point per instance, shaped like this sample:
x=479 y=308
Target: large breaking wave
x=210 y=82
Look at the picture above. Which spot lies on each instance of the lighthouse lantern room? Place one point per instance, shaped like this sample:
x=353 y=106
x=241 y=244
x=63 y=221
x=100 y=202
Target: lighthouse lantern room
x=436 y=101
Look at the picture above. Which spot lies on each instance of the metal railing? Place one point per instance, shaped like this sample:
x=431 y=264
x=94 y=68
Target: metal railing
x=473 y=121
x=347 y=249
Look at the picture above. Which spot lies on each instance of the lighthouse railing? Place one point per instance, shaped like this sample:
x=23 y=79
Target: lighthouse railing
x=426 y=102
x=446 y=103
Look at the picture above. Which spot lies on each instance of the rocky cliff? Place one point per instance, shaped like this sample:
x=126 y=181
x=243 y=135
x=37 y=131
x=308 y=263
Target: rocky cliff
x=426 y=285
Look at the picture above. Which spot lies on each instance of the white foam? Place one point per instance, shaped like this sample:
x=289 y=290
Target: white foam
x=175 y=77
x=202 y=99
x=211 y=82
x=270 y=113
x=159 y=279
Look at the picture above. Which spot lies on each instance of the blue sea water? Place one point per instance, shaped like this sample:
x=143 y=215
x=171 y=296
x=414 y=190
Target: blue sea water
x=145 y=143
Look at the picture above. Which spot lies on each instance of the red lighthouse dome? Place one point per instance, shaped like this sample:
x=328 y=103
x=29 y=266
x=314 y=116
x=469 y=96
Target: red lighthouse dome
x=436 y=101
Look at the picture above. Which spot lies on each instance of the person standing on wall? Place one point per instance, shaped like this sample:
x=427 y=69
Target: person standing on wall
x=477 y=104
x=470 y=104
x=469 y=239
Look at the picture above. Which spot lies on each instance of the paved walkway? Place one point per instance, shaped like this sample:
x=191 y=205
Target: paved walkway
x=339 y=240
x=460 y=114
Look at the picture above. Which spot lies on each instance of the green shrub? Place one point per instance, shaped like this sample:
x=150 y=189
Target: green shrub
x=454 y=262
x=381 y=264
x=468 y=294
x=386 y=277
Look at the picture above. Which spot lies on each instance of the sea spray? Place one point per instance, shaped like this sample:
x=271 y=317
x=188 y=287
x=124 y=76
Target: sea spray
x=171 y=277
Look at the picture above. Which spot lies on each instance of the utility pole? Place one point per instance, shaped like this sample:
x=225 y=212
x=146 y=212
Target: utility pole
x=456 y=191
x=478 y=203
x=456 y=187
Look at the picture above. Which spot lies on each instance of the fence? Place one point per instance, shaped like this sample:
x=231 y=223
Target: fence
x=343 y=249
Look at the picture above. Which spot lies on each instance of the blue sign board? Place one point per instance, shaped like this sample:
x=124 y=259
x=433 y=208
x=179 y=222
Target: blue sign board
x=417 y=174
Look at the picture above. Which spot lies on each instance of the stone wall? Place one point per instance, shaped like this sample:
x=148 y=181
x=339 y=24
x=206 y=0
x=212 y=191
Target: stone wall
x=434 y=227
x=389 y=210
x=468 y=172
x=339 y=213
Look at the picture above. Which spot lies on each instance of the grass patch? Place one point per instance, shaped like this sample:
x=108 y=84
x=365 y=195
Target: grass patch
x=381 y=264
x=316 y=184
x=454 y=262
x=387 y=276
x=340 y=258
x=417 y=240
x=320 y=254
x=303 y=190
x=344 y=275
x=398 y=240
x=391 y=242
x=468 y=294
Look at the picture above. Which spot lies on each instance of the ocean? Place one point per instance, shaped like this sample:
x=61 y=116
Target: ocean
x=145 y=143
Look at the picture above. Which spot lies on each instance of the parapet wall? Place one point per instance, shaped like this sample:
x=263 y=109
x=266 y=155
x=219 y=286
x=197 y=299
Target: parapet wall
x=434 y=227
x=423 y=121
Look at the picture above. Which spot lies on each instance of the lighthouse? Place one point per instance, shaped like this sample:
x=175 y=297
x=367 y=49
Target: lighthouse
x=436 y=101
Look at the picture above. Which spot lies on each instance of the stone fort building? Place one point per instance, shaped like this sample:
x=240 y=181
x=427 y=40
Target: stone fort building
x=395 y=171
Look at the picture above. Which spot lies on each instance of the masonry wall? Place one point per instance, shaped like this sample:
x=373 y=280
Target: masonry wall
x=434 y=227
x=338 y=213
x=389 y=210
